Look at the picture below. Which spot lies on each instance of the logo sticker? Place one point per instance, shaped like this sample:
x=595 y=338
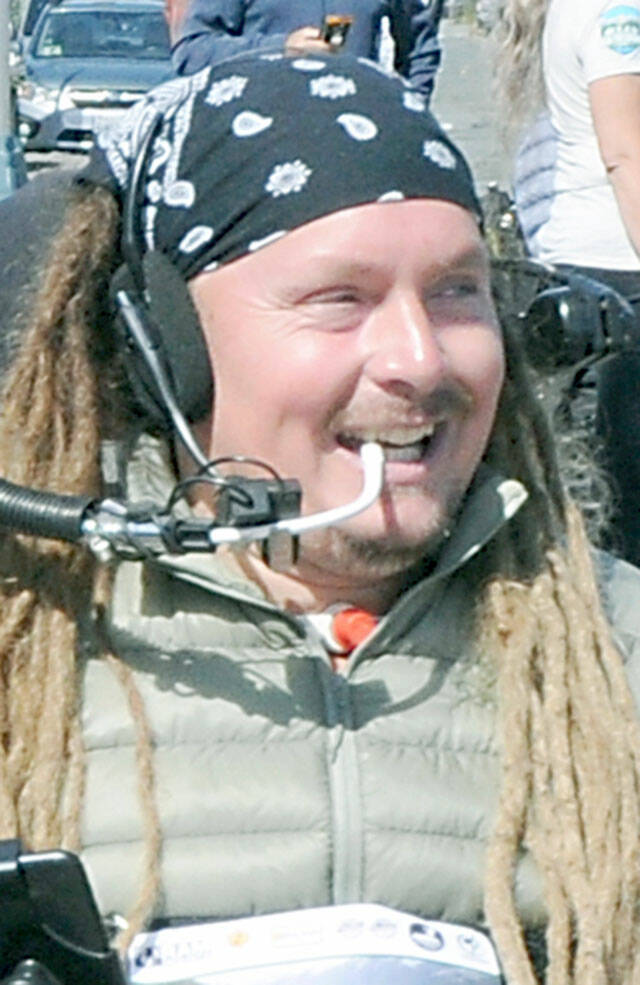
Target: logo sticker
x=620 y=28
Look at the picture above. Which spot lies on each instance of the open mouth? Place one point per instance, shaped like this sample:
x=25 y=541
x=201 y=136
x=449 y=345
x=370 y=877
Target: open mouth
x=399 y=445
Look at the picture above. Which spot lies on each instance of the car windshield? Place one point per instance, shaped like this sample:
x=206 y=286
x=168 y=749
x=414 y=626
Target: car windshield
x=103 y=34
x=33 y=10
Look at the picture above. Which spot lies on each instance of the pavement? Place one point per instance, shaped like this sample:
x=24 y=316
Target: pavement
x=465 y=104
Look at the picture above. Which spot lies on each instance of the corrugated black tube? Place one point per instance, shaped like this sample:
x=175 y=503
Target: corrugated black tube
x=41 y=514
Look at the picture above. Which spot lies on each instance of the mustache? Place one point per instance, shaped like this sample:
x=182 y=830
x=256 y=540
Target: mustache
x=449 y=399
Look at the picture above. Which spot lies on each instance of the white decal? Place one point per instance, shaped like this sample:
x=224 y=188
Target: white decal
x=154 y=192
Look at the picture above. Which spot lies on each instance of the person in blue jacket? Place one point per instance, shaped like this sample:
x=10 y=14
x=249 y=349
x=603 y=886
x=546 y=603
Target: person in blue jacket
x=211 y=30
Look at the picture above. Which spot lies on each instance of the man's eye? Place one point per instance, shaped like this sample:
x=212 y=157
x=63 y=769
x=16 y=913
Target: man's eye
x=336 y=309
x=457 y=289
x=339 y=296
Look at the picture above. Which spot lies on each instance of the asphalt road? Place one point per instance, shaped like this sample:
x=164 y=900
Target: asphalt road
x=465 y=104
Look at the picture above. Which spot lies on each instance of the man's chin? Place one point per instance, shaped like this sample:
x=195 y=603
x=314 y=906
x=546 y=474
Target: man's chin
x=406 y=531
x=401 y=548
x=363 y=558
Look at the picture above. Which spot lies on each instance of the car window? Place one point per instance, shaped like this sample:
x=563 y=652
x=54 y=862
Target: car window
x=103 y=34
x=30 y=17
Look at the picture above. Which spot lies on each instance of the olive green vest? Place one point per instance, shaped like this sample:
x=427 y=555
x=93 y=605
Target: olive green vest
x=282 y=784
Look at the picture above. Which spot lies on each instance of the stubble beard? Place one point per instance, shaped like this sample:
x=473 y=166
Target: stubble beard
x=361 y=558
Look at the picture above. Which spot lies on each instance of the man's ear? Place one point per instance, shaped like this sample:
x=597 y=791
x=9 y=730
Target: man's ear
x=172 y=326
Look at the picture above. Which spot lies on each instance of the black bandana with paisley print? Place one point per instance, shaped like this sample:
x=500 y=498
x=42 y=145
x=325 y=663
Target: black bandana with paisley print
x=251 y=148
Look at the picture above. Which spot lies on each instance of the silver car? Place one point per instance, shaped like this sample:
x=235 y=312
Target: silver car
x=86 y=62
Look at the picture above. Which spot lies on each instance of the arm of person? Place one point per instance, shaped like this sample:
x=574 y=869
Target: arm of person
x=306 y=40
x=615 y=108
x=175 y=12
x=212 y=31
x=414 y=26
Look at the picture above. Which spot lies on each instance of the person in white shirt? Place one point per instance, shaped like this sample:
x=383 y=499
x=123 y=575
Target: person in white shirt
x=577 y=183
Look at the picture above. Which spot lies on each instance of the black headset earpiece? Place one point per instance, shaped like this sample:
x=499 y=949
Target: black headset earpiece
x=171 y=323
x=166 y=357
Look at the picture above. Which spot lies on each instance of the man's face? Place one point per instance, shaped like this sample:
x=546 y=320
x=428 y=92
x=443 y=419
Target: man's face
x=371 y=324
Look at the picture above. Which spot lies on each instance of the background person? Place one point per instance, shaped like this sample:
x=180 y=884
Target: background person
x=211 y=30
x=577 y=184
x=476 y=757
x=175 y=12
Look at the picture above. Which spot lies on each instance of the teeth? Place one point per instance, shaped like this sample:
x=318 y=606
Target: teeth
x=404 y=453
x=399 y=437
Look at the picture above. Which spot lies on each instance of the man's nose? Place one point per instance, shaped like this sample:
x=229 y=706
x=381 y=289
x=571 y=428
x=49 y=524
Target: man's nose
x=404 y=351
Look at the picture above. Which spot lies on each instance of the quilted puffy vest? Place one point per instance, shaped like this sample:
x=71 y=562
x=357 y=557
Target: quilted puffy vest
x=282 y=784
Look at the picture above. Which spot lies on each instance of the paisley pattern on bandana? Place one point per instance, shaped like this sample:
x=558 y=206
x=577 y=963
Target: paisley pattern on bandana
x=287 y=178
x=308 y=65
x=195 y=238
x=248 y=124
x=249 y=149
x=439 y=153
x=415 y=101
x=225 y=90
x=357 y=126
x=332 y=87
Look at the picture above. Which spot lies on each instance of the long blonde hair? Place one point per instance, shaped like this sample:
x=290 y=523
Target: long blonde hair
x=568 y=732
x=519 y=80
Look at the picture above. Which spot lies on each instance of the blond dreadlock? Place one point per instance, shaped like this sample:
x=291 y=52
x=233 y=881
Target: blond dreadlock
x=49 y=439
x=568 y=729
x=570 y=744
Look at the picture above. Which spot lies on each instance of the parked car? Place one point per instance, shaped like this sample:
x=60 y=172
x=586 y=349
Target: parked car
x=86 y=62
x=30 y=13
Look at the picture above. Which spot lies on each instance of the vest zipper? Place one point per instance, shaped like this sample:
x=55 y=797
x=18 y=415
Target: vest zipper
x=344 y=779
x=344 y=788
